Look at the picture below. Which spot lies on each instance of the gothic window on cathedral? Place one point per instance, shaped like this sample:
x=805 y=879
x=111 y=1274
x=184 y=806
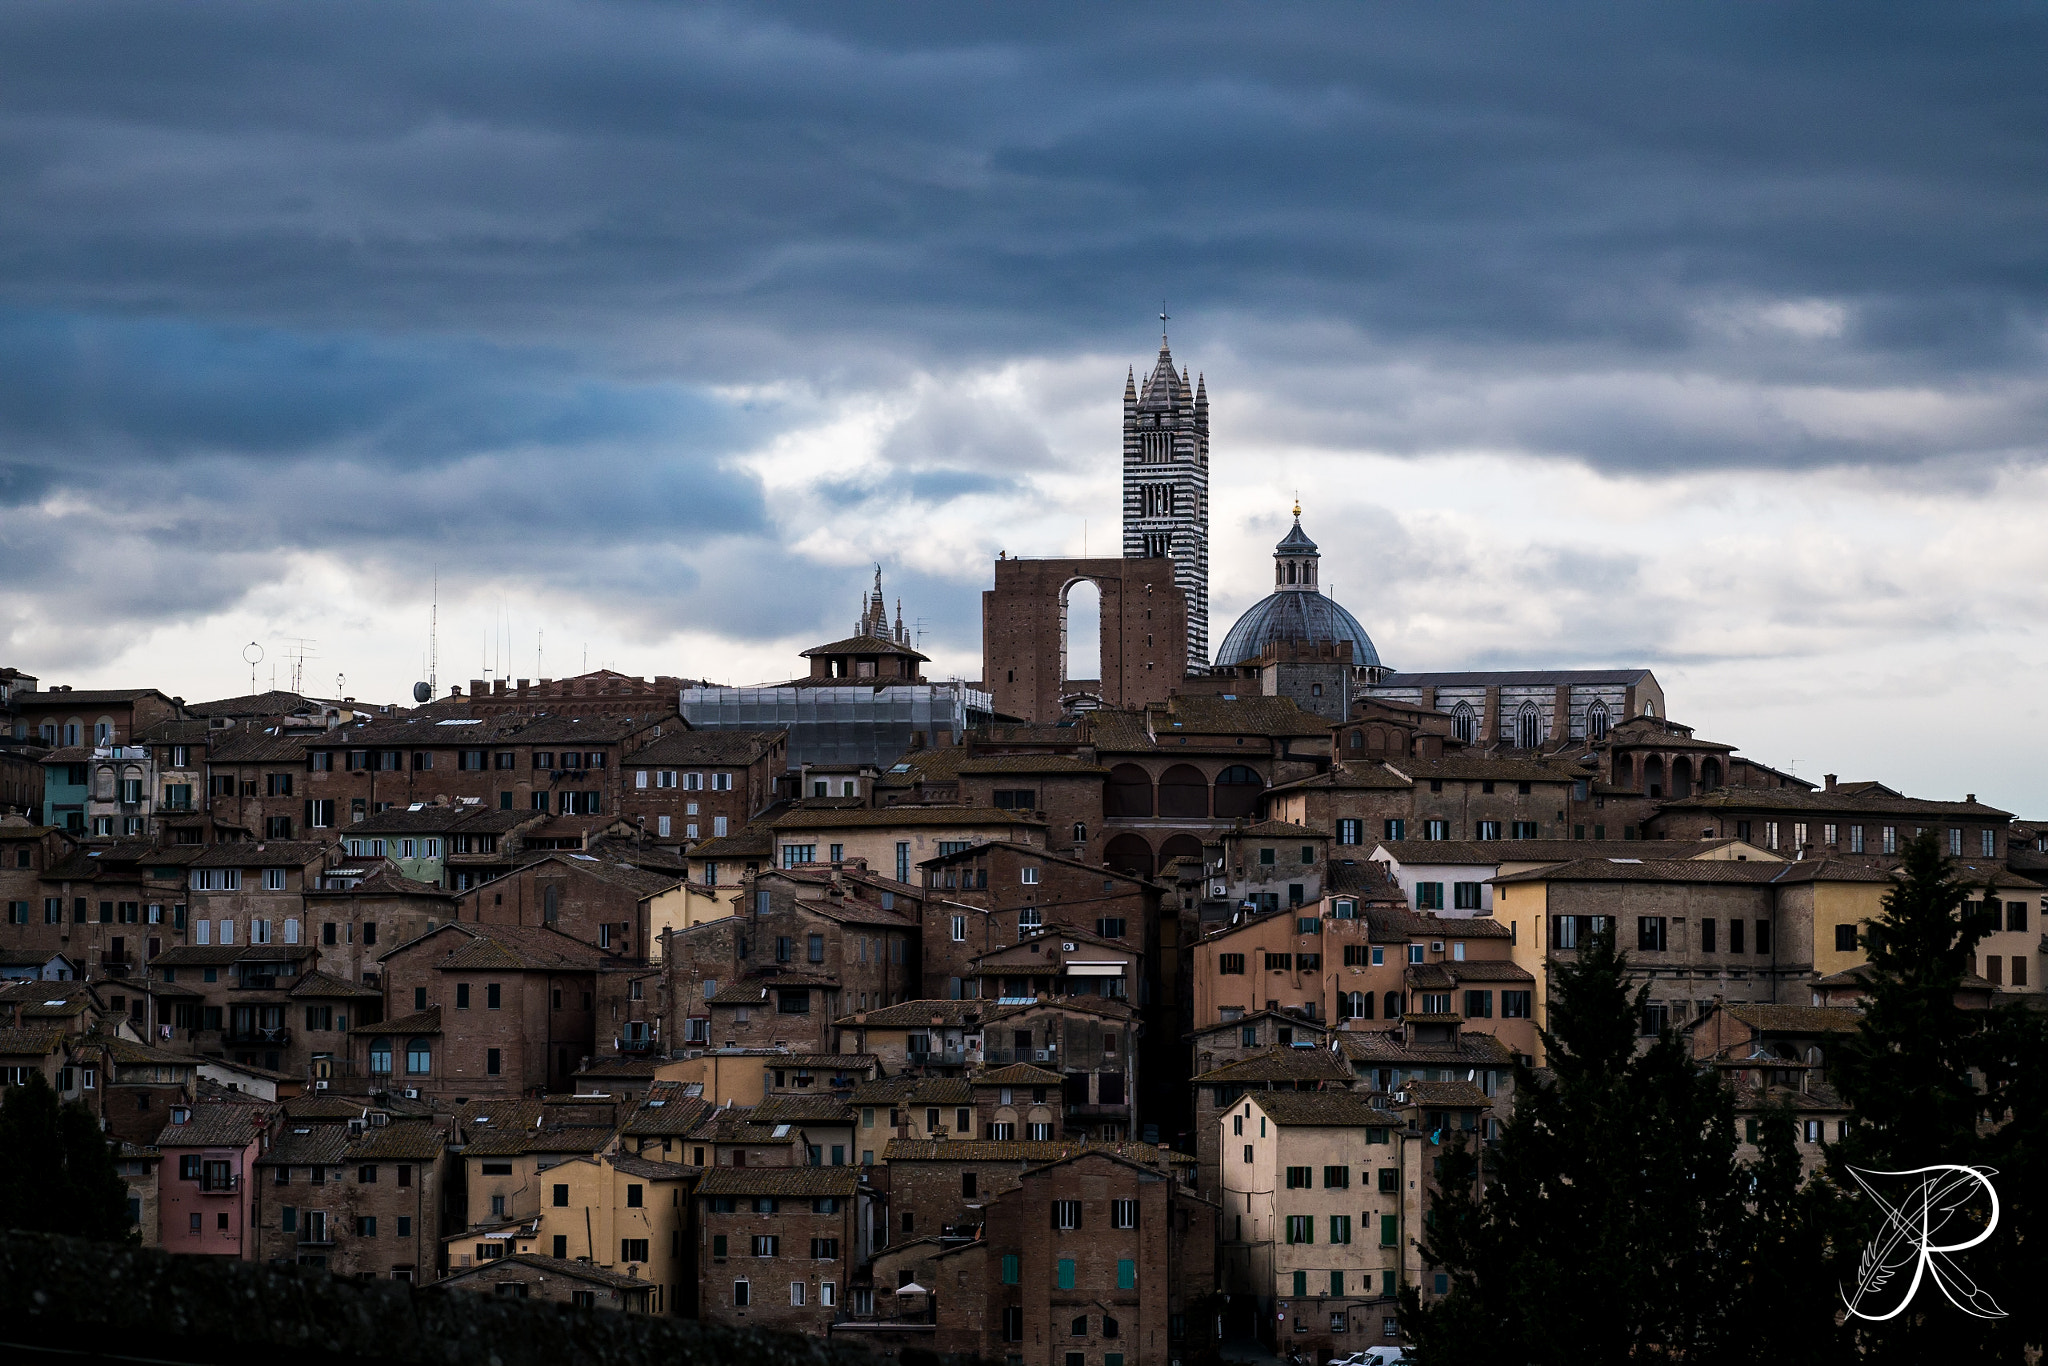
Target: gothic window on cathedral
x=1462 y=723
x=1526 y=723
x=1596 y=721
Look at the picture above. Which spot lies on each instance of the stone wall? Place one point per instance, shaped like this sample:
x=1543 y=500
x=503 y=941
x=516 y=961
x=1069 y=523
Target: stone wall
x=63 y=1294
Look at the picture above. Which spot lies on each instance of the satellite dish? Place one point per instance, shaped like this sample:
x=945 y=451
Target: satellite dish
x=422 y=692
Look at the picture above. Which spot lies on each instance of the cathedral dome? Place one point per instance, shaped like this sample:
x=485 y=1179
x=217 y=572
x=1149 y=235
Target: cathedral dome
x=1296 y=612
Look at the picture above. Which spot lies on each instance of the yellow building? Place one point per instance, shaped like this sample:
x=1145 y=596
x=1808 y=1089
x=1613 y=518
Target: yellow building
x=622 y=1213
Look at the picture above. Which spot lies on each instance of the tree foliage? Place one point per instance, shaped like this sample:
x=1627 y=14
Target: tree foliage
x=1614 y=1221
x=57 y=1170
x=1933 y=1080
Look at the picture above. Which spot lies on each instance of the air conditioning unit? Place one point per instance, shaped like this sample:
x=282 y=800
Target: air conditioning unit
x=1436 y=946
x=320 y=1085
x=1067 y=948
x=412 y=1093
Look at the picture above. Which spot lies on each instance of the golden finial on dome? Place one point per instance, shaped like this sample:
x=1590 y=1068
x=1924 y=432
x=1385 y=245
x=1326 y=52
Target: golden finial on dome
x=1297 y=505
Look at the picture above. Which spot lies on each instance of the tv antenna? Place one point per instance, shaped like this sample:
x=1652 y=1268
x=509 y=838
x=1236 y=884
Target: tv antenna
x=252 y=654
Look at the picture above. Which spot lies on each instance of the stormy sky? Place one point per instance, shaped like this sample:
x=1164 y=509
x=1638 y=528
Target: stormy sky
x=1707 y=337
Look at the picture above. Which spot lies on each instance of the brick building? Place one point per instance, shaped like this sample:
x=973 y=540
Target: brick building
x=493 y=1010
x=65 y=716
x=1276 y=1067
x=360 y=1197
x=776 y=1245
x=533 y=1276
x=1096 y=1255
x=611 y=905
x=703 y=784
x=557 y=765
x=943 y=1186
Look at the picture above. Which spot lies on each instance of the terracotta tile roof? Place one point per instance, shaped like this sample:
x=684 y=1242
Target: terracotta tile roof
x=425 y=729
x=1022 y=1150
x=754 y=990
x=437 y=818
x=1053 y=764
x=1850 y=800
x=479 y=1115
x=1495 y=852
x=813 y=818
x=803 y=1110
x=841 y=1062
x=385 y=880
x=863 y=645
x=650 y=1170
x=790 y=1182
x=1286 y=1017
x=320 y=1105
x=683 y=748
x=327 y=985
x=1369 y=1047
x=918 y=1014
x=1102 y=1007
x=1017 y=1074
x=1392 y=923
x=1274 y=830
x=755 y=842
x=1449 y=974
x=218 y=1125
x=1321 y=1109
x=196 y=956
x=639 y=881
x=1710 y=871
x=883 y=1091
x=941 y=1091
x=1439 y=1095
x=1281 y=1064
x=509 y=948
x=29 y=1043
x=260 y=854
x=405 y=1140
x=241 y=746
x=1209 y=714
x=553 y=1266
x=666 y=1111
x=426 y=1021
x=1783 y=1019
x=308 y=1145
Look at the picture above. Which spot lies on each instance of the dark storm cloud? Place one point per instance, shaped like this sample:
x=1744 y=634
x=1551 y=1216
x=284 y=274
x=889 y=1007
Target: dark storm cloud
x=373 y=276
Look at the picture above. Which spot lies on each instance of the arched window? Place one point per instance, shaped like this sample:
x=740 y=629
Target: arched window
x=1129 y=853
x=1710 y=774
x=1290 y=571
x=1596 y=721
x=1238 y=790
x=1649 y=708
x=1527 y=726
x=1184 y=793
x=1129 y=792
x=1177 y=847
x=1463 y=723
x=1393 y=1005
x=1357 y=739
x=1355 y=1005
x=1346 y=910
x=1080 y=832
x=419 y=1058
x=380 y=1056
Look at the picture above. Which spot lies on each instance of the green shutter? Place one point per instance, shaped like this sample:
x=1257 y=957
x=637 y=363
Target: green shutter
x=1301 y=1285
x=1066 y=1273
x=1012 y=1269
x=1390 y=1231
x=1126 y=1274
x=1336 y=1282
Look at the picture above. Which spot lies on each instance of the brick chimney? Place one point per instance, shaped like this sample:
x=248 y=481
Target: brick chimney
x=1830 y=780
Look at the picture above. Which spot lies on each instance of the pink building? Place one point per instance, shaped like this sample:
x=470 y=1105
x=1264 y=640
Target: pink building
x=206 y=1201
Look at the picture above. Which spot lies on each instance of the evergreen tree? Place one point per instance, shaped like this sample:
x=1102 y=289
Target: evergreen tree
x=57 y=1172
x=1933 y=1081
x=1613 y=1222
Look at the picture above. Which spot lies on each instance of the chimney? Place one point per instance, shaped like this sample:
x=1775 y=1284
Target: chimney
x=1830 y=779
x=1969 y=796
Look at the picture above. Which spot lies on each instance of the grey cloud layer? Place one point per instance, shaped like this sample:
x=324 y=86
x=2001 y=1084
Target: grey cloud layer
x=381 y=277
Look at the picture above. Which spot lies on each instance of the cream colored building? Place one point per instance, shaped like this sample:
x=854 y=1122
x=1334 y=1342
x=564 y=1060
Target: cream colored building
x=892 y=841
x=1322 y=1199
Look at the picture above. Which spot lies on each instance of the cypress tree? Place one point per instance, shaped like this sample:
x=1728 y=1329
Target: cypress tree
x=1934 y=1081
x=57 y=1170
x=1613 y=1220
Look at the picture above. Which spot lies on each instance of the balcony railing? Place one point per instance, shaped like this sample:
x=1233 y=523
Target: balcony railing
x=281 y=1034
x=950 y=1055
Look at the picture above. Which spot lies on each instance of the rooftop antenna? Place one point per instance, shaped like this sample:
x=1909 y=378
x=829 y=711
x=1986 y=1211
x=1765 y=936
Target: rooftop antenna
x=434 y=637
x=341 y=685
x=1163 y=316
x=253 y=654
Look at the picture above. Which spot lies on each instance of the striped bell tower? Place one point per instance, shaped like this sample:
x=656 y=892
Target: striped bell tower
x=1166 y=484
